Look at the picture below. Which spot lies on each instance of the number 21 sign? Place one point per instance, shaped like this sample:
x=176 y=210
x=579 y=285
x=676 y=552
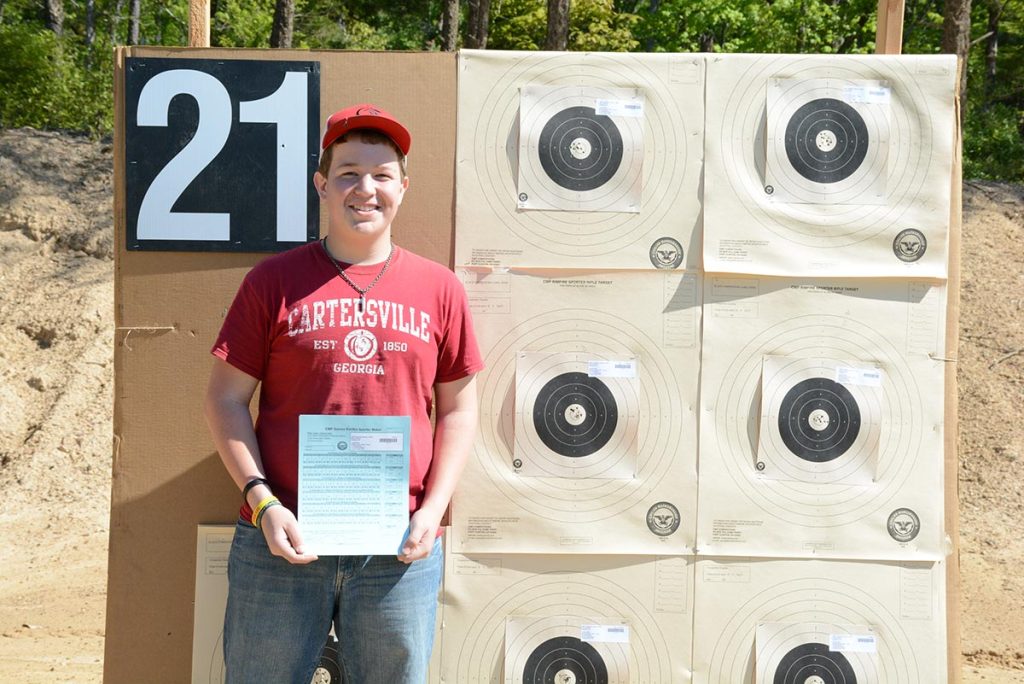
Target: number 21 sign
x=220 y=154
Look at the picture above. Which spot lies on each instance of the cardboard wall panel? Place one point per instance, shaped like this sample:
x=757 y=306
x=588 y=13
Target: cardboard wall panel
x=169 y=306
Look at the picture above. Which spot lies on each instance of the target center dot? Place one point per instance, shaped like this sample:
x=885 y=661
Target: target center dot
x=826 y=140
x=814 y=679
x=818 y=420
x=566 y=677
x=580 y=148
x=575 y=414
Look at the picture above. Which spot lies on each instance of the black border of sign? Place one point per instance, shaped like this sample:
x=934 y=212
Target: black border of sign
x=240 y=172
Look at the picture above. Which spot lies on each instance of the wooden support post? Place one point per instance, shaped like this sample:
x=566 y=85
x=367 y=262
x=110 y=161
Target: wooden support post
x=889 y=36
x=199 y=23
x=951 y=429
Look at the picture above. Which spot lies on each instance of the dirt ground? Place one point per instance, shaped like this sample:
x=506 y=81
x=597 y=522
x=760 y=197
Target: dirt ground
x=56 y=378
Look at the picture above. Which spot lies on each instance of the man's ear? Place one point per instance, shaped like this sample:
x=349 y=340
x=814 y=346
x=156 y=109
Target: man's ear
x=320 y=183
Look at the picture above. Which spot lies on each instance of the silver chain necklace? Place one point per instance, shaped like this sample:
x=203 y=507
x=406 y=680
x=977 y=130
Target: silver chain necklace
x=361 y=290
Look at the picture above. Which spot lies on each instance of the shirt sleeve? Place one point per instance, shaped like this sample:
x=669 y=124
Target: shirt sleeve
x=244 y=339
x=458 y=355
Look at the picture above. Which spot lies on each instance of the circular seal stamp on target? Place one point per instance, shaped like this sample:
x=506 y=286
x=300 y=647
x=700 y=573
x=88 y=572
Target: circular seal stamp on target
x=666 y=252
x=903 y=524
x=663 y=518
x=910 y=245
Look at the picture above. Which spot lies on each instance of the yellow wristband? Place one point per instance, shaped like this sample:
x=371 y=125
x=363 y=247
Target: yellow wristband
x=259 y=518
x=261 y=506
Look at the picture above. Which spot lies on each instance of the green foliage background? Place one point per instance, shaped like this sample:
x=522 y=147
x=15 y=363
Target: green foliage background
x=60 y=82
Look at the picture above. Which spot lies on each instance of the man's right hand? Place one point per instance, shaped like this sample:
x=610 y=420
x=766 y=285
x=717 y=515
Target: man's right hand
x=281 y=530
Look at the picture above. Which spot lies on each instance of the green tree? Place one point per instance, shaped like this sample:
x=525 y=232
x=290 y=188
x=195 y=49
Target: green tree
x=594 y=25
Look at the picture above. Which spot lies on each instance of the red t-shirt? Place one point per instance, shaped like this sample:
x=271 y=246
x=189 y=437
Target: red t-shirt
x=295 y=326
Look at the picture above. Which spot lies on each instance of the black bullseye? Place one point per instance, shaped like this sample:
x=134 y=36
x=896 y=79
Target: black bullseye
x=579 y=149
x=826 y=140
x=575 y=414
x=565 y=660
x=815 y=663
x=819 y=420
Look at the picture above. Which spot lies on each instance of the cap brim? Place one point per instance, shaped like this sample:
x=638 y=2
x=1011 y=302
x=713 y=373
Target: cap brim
x=389 y=127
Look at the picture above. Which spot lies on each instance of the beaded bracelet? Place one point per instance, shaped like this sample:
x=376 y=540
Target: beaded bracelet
x=257 y=512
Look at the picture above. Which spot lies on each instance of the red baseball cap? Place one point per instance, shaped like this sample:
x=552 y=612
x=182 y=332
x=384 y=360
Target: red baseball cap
x=365 y=116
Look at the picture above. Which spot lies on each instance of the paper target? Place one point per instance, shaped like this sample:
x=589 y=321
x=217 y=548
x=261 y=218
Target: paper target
x=798 y=653
x=542 y=340
x=552 y=650
x=580 y=149
x=827 y=140
x=768 y=346
x=820 y=421
x=581 y=160
x=819 y=165
x=788 y=621
x=550 y=619
x=576 y=416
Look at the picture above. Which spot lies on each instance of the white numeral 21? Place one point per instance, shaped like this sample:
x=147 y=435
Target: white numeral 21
x=286 y=108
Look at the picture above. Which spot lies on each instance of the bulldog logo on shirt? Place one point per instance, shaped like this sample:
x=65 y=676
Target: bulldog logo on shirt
x=360 y=345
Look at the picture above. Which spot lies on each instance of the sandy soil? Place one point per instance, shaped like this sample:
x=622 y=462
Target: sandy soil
x=56 y=377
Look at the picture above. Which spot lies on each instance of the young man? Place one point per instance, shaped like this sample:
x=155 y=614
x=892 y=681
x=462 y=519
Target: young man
x=348 y=325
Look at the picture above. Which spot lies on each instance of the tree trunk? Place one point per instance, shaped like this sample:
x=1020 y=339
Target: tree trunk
x=284 y=20
x=956 y=40
x=133 y=24
x=801 y=30
x=115 y=21
x=652 y=7
x=90 y=30
x=477 y=24
x=995 y=11
x=55 y=16
x=706 y=41
x=90 y=23
x=558 y=25
x=450 y=26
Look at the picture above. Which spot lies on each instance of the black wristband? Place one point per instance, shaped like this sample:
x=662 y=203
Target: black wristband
x=252 y=483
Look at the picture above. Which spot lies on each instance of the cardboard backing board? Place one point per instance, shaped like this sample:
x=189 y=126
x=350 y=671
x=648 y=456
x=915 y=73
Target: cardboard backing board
x=551 y=343
x=824 y=165
x=167 y=477
x=876 y=335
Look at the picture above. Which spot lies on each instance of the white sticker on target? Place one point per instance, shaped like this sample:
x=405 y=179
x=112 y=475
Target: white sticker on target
x=853 y=643
x=868 y=377
x=873 y=94
x=634 y=108
x=613 y=634
x=612 y=369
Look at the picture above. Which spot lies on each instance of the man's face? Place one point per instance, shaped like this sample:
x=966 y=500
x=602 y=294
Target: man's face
x=362 y=190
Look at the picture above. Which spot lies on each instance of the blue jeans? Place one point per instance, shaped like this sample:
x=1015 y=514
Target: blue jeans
x=279 y=614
